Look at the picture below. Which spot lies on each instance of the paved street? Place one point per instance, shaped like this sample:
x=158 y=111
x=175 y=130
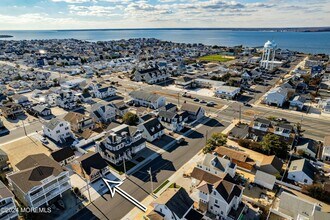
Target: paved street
x=138 y=185
x=19 y=132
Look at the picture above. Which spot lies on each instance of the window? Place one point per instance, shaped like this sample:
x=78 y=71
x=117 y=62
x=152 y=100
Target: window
x=305 y=180
x=57 y=132
x=216 y=201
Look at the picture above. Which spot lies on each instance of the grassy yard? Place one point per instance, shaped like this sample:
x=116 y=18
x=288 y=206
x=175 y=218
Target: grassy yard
x=161 y=186
x=216 y=58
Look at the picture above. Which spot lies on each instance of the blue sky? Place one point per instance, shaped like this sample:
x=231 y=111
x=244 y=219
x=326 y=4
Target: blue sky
x=75 y=14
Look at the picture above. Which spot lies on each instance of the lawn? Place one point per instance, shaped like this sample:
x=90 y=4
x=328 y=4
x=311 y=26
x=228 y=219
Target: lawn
x=161 y=186
x=216 y=58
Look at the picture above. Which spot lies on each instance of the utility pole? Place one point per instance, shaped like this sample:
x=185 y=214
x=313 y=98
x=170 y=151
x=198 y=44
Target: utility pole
x=124 y=165
x=240 y=113
x=151 y=181
x=206 y=134
x=24 y=128
x=178 y=98
x=89 y=193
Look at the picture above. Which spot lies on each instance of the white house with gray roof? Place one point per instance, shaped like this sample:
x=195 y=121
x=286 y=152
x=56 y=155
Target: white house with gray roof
x=102 y=113
x=302 y=171
x=292 y=207
x=147 y=99
x=195 y=112
x=217 y=165
x=57 y=130
x=226 y=92
x=276 y=96
x=152 y=129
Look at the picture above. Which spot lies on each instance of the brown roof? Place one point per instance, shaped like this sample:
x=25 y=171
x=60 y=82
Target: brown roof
x=4 y=191
x=272 y=160
x=232 y=154
x=153 y=215
x=75 y=117
x=34 y=169
x=202 y=175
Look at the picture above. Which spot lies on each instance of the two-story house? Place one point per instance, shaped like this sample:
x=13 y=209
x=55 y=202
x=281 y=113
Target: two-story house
x=152 y=129
x=39 y=179
x=195 y=112
x=122 y=142
x=151 y=75
x=221 y=198
x=103 y=113
x=302 y=171
x=39 y=110
x=103 y=92
x=276 y=96
x=11 y=110
x=67 y=99
x=63 y=156
x=90 y=166
x=217 y=165
x=174 y=121
x=147 y=99
x=174 y=204
x=227 y=92
x=57 y=130
x=8 y=209
x=259 y=127
x=79 y=122
x=120 y=107
x=21 y=100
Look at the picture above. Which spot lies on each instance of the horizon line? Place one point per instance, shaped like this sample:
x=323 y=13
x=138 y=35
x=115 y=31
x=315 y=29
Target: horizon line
x=179 y=28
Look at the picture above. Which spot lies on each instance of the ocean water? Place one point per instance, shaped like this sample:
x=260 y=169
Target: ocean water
x=308 y=42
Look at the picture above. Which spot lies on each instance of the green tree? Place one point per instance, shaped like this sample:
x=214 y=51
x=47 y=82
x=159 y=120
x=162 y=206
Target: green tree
x=272 y=144
x=217 y=139
x=130 y=118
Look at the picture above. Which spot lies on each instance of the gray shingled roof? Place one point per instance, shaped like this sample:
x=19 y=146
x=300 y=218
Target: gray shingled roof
x=143 y=95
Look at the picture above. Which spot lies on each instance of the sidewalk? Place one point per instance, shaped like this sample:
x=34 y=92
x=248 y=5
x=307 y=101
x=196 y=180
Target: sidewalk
x=302 y=114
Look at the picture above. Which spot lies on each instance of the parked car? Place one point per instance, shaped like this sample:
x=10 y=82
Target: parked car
x=44 y=141
x=196 y=100
x=202 y=102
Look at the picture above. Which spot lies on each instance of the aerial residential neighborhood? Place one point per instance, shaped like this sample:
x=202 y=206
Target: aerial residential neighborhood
x=189 y=131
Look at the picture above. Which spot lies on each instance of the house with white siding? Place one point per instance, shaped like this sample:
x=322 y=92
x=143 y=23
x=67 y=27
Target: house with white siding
x=152 y=129
x=122 y=142
x=39 y=180
x=222 y=199
x=147 y=99
x=57 y=130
